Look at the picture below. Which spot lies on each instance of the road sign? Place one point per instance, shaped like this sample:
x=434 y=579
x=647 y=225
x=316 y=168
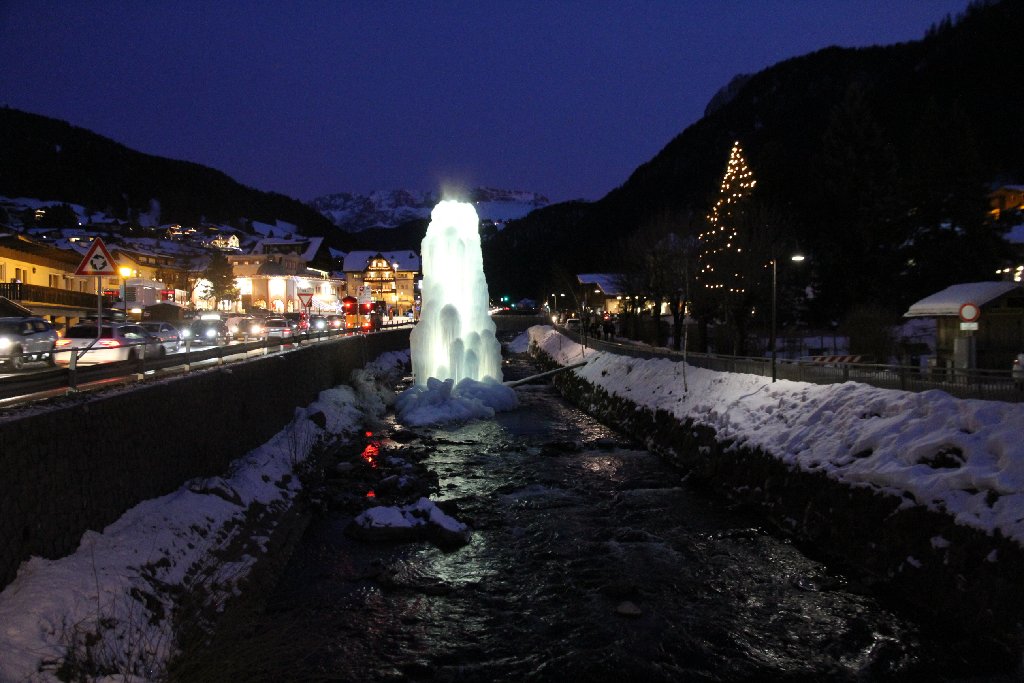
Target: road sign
x=97 y=261
x=306 y=298
x=969 y=313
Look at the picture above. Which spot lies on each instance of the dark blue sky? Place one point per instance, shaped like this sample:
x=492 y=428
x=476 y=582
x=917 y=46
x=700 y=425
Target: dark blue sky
x=308 y=98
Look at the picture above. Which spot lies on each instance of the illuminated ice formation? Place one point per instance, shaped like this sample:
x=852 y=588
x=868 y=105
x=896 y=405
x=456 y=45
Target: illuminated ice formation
x=454 y=338
x=456 y=359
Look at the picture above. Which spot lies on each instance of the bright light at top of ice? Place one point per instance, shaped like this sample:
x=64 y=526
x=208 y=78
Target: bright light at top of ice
x=455 y=335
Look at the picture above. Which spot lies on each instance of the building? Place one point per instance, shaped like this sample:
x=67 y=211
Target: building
x=601 y=292
x=391 y=277
x=276 y=271
x=989 y=340
x=1005 y=198
x=40 y=277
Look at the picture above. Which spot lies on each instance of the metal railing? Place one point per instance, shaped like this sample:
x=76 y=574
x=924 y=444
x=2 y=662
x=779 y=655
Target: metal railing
x=991 y=385
x=66 y=377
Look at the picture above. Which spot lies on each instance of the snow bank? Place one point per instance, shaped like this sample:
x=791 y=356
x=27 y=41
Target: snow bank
x=118 y=590
x=961 y=457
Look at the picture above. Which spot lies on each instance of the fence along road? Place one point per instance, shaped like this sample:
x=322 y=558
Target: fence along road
x=991 y=385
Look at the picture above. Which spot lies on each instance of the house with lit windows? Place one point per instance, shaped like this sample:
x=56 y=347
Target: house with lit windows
x=390 y=278
x=273 y=274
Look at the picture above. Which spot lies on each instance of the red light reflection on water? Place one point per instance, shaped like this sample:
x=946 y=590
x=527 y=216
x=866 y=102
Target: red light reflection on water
x=371 y=452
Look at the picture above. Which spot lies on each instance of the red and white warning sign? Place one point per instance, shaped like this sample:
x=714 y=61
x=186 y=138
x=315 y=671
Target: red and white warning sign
x=306 y=298
x=97 y=261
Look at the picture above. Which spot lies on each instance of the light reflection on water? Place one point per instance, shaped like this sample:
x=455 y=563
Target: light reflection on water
x=572 y=523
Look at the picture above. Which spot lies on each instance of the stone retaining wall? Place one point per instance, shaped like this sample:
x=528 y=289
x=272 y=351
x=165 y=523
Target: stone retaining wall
x=968 y=579
x=79 y=463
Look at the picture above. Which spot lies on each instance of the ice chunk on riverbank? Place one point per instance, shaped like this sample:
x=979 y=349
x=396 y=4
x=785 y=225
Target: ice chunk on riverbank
x=438 y=402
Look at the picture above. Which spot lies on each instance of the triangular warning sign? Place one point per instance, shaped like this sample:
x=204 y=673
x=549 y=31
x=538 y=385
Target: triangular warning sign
x=97 y=261
x=306 y=298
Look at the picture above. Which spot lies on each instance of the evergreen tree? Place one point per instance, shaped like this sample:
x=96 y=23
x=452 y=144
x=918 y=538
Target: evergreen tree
x=721 y=248
x=721 y=261
x=221 y=277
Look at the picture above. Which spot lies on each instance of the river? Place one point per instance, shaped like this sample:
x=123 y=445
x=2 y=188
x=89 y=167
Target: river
x=591 y=559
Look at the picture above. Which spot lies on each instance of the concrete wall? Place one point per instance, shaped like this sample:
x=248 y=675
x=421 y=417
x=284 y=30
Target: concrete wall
x=82 y=462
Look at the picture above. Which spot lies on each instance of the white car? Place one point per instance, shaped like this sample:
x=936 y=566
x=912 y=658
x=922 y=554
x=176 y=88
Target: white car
x=113 y=342
x=278 y=328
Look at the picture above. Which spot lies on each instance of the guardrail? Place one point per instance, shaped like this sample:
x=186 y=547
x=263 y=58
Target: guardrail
x=990 y=385
x=37 y=383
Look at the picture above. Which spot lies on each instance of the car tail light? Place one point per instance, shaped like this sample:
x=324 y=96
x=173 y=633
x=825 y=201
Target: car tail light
x=61 y=343
x=109 y=343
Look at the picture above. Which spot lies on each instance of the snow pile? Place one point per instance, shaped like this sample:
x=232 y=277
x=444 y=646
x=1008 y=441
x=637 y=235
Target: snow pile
x=438 y=402
x=407 y=520
x=111 y=602
x=962 y=457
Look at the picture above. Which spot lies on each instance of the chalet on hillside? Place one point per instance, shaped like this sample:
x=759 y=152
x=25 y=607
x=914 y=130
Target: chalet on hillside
x=1005 y=198
x=999 y=336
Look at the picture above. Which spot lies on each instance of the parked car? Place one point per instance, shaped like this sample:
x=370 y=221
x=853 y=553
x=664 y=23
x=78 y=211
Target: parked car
x=278 y=328
x=212 y=331
x=25 y=340
x=112 y=342
x=166 y=333
x=245 y=327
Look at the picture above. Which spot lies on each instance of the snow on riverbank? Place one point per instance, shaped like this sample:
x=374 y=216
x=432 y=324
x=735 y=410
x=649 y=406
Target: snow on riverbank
x=964 y=457
x=118 y=590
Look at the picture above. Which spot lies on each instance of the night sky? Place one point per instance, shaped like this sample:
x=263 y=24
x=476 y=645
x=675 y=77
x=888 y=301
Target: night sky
x=308 y=98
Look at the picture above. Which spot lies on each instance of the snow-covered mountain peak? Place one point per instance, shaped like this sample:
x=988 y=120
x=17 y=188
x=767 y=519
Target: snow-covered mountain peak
x=389 y=208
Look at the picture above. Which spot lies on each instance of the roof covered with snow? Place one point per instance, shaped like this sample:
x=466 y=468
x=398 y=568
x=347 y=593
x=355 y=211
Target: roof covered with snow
x=949 y=300
x=608 y=282
x=356 y=261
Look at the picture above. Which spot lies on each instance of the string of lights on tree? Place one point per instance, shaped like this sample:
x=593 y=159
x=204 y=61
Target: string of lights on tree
x=717 y=262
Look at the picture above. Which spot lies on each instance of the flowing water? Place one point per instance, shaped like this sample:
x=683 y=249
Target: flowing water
x=591 y=560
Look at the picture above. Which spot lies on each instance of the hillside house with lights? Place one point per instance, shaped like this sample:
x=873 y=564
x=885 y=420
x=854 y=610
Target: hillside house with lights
x=276 y=271
x=389 y=277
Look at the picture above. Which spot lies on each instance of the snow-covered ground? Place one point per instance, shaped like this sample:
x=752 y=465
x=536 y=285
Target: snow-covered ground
x=962 y=457
x=117 y=591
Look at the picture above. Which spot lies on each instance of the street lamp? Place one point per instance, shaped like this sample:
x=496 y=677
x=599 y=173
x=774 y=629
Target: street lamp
x=794 y=257
x=125 y=273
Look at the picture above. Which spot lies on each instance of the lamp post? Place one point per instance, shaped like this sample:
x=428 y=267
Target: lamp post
x=794 y=257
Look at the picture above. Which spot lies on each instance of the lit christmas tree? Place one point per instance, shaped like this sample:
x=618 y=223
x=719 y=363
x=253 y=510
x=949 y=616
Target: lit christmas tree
x=719 y=258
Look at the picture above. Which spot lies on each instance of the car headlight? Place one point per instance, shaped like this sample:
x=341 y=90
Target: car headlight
x=234 y=329
x=211 y=333
x=5 y=342
x=186 y=333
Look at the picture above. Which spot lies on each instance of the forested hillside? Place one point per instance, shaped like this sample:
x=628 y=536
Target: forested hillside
x=875 y=162
x=49 y=159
